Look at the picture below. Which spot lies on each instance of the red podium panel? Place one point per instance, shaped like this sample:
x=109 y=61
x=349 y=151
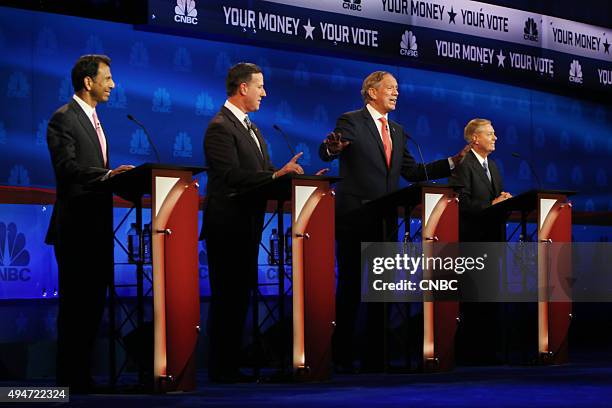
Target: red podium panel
x=313 y=277
x=554 y=219
x=176 y=301
x=174 y=240
x=554 y=224
x=440 y=212
x=440 y=223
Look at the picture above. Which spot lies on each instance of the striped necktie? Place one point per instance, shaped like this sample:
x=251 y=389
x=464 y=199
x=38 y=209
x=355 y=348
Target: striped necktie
x=249 y=126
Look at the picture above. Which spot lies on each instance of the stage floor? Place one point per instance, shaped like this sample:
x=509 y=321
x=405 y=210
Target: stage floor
x=586 y=383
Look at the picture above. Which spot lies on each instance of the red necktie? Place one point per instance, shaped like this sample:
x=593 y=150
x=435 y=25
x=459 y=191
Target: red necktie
x=101 y=137
x=386 y=139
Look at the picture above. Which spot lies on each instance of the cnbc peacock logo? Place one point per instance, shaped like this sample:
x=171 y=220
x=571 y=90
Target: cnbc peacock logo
x=185 y=12
x=14 y=257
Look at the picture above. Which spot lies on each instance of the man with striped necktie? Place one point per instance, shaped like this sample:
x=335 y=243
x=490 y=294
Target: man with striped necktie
x=238 y=159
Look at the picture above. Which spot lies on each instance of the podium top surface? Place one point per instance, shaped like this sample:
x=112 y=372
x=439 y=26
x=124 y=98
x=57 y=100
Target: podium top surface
x=526 y=201
x=405 y=197
x=279 y=189
x=135 y=183
x=146 y=168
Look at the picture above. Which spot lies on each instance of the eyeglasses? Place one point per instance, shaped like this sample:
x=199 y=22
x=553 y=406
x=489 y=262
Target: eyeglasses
x=489 y=134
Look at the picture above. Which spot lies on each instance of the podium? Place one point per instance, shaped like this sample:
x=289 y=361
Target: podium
x=553 y=224
x=439 y=223
x=174 y=239
x=313 y=277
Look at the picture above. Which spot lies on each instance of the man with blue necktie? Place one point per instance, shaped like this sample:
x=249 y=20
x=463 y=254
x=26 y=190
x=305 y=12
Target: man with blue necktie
x=481 y=184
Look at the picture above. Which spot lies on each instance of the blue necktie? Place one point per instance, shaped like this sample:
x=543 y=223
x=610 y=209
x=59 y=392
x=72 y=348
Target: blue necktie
x=486 y=169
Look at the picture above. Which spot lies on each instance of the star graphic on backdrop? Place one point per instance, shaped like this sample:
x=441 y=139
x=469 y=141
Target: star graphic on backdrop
x=451 y=16
x=607 y=47
x=500 y=59
x=309 y=29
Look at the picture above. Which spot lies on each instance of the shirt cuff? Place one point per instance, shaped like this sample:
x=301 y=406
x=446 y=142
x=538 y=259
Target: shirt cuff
x=451 y=163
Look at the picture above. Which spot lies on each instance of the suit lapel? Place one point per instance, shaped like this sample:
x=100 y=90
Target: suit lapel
x=245 y=133
x=495 y=178
x=374 y=133
x=396 y=140
x=89 y=130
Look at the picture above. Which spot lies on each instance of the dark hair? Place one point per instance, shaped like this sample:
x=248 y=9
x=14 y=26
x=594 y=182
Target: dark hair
x=87 y=66
x=238 y=74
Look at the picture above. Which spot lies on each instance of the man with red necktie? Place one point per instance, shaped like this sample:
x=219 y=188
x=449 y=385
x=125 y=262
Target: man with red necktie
x=372 y=153
x=81 y=227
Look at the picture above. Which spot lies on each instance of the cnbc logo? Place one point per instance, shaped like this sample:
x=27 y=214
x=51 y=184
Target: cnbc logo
x=530 y=32
x=351 y=5
x=14 y=258
x=185 y=12
x=408 y=45
x=575 y=72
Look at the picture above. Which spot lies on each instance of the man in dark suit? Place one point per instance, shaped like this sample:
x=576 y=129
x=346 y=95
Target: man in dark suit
x=81 y=227
x=481 y=185
x=373 y=155
x=237 y=158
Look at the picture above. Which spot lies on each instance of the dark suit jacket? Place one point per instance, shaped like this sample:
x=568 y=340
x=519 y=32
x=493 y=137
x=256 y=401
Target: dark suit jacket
x=363 y=165
x=234 y=164
x=476 y=194
x=77 y=161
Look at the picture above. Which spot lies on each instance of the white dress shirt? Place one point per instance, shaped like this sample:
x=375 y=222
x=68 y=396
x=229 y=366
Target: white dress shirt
x=89 y=111
x=480 y=158
x=376 y=115
x=241 y=115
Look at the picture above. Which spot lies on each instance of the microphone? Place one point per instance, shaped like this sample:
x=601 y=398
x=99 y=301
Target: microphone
x=535 y=175
x=420 y=153
x=279 y=130
x=130 y=117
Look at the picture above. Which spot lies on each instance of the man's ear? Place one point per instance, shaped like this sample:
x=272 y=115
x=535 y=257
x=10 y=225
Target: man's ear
x=87 y=82
x=243 y=88
x=372 y=93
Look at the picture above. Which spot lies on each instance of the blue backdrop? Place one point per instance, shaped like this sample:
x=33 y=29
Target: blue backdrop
x=174 y=85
